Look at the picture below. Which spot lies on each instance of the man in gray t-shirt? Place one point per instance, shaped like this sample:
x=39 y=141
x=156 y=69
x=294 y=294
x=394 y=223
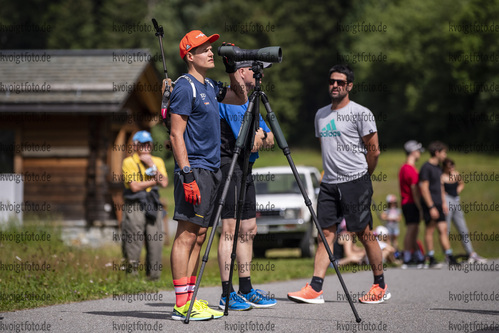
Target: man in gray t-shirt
x=349 y=141
x=341 y=132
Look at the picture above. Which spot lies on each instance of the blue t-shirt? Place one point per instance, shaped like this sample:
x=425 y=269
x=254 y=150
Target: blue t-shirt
x=202 y=133
x=233 y=115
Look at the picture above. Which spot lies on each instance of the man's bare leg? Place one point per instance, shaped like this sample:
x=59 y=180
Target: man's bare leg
x=428 y=236
x=182 y=254
x=444 y=237
x=373 y=250
x=321 y=261
x=410 y=238
x=378 y=292
x=244 y=250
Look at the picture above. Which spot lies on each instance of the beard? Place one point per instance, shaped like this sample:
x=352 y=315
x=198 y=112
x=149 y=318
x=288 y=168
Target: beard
x=338 y=98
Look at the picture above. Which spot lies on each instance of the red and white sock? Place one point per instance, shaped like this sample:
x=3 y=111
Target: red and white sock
x=191 y=283
x=181 y=291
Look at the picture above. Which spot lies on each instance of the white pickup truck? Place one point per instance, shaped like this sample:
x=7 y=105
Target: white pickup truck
x=282 y=217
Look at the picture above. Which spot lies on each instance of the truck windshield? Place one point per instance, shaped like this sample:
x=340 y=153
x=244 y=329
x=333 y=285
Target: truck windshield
x=277 y=183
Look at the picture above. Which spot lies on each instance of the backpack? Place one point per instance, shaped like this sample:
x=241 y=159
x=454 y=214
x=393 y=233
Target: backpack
x=165 y=103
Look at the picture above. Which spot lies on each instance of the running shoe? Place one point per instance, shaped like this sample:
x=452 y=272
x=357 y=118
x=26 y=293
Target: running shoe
x=204 y=305
x=474 y=257
x=307 y=294
x=258 y=298
x=451 y=261
x=236 y=303
x=412 y=264
x=376 y=295
x=431 y=262
x=198 y=312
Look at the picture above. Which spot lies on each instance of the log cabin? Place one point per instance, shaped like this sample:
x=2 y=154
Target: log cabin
x=66 y=122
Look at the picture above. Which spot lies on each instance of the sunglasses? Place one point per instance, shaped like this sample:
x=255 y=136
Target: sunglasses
x=341 y=83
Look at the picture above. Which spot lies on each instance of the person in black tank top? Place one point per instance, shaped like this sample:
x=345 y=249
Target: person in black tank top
x=453 y=185
x=451 y=189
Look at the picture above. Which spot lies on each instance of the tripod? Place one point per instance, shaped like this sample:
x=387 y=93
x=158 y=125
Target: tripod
x=244 y=142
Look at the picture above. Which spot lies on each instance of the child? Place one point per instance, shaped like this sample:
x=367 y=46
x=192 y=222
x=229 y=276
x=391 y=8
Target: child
x=387 y=251
x=392 y=216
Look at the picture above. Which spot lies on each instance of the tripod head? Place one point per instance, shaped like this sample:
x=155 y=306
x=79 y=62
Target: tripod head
x=257 y=68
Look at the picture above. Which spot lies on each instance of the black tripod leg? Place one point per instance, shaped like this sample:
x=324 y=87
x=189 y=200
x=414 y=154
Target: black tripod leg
x=245 y=138
x=281 y=141
x=244 y=129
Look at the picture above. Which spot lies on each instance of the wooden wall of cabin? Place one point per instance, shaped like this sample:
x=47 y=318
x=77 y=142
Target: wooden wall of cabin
x=54 y=154
x=99 y=203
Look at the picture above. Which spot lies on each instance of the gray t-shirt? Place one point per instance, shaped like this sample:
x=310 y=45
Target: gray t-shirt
x=343 y=150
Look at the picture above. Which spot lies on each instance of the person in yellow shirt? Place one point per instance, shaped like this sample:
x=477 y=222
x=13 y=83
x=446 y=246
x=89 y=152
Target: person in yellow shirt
x=142 y=211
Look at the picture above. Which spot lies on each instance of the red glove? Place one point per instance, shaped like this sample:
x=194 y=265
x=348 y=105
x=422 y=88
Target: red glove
x=192 y=194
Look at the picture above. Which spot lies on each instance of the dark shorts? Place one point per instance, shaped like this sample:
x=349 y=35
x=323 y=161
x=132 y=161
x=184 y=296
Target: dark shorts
x=230 y=205
x=350 y=200
x=427 y=217
x=208 y=183
x=411 y=213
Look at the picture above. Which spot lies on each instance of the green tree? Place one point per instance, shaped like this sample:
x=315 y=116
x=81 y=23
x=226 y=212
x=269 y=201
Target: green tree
x=425 y=70
x=74 y=25
x=297 y=87
x=24 y=25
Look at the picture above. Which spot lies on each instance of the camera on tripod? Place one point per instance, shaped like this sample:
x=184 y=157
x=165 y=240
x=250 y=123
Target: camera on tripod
x=266 y=54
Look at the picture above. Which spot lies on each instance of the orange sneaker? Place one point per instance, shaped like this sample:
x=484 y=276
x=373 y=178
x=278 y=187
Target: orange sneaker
x=376 y=295
x=307 y=295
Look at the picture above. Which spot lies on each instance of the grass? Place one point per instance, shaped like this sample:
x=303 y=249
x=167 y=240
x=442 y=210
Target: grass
x=81 y=273
x=386 y=182
x=46 y=272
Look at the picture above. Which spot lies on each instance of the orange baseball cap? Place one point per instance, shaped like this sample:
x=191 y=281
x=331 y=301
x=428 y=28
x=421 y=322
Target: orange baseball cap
x=194 y=39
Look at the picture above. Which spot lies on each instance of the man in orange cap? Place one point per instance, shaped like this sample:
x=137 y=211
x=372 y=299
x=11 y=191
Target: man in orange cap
x=195 y=138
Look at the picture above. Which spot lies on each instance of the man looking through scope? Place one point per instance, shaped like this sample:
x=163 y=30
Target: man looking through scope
x=231 y=117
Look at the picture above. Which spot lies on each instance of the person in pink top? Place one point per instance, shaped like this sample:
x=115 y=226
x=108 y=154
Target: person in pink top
x=411 y=203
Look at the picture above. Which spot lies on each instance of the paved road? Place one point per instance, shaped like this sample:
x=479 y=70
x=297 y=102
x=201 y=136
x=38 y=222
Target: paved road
x=422 y=301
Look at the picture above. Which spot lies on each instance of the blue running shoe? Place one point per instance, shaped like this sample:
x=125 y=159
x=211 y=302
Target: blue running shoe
x=258 y=298
x=236 y=303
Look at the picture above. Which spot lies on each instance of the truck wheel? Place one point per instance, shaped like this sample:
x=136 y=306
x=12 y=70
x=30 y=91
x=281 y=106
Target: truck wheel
x=307 y=244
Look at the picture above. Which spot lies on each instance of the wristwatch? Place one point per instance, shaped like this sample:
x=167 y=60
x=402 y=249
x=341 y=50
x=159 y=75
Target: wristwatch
x=186 y=169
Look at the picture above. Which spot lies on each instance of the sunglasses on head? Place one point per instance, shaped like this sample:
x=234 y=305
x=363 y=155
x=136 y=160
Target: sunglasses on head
x=341 y=83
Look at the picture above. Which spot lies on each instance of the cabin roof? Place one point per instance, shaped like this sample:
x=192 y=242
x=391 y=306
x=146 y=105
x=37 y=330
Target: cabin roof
x=74 y=80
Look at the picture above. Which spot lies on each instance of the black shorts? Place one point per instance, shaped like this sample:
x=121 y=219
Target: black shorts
x=230 y=205
x=427 y=217
x=350 y=200
x=411 y=213
x=208 y=183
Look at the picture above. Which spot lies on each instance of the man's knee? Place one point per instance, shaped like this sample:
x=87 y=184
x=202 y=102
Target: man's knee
x=248 y=228
x=186 y=237
x=442 y=227
x=201 y=236
x=328 y=233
